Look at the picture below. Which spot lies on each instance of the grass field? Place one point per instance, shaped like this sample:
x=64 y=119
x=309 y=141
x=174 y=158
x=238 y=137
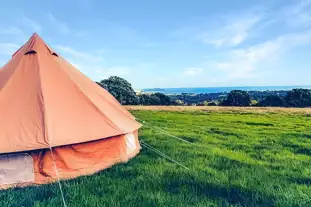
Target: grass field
x=238 y=158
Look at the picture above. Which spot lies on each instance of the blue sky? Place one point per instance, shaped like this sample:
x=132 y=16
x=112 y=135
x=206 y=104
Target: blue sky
x=170 y=43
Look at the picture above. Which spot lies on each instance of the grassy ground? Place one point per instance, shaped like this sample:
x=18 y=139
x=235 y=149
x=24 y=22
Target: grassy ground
x=238 y=158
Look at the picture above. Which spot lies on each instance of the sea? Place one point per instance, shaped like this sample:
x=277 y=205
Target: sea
x=219 y=89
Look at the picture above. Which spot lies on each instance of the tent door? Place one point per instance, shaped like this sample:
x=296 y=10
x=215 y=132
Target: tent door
x=130 y=143
x=16 y=168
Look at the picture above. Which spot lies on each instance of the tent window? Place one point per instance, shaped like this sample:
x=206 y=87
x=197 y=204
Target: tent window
x=30 y=52
x=54 y=53
x=16 y=168
x=130 y=143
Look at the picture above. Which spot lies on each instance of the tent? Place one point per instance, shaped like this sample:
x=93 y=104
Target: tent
x=57 y=123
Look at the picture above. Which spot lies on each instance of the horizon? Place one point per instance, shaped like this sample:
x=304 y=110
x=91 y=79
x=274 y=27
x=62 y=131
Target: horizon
x=235 y=86
x=198 y=44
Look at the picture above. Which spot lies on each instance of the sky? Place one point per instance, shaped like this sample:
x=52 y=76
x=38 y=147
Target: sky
x=170 y=43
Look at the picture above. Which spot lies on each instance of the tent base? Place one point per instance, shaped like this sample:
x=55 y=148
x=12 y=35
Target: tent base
x=77 y=160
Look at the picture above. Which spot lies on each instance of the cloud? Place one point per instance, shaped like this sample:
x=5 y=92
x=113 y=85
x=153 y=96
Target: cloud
x=60 y=26
x=11 y=31
x=227 y=30
x=84 y=34
x=230 y=33
x=273 y=48
x=77 y=54
x=91 y=63
x=193 y=71
x=240 y=66
x=113 y=71
x=31 y=23
x=8 y=48
x=297 y=15
x=242 y=63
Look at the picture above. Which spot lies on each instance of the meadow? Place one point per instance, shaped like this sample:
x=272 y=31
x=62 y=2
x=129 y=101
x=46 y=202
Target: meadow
x=236 y=157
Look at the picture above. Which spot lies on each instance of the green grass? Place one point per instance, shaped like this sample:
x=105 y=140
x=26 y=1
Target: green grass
x=237 y=159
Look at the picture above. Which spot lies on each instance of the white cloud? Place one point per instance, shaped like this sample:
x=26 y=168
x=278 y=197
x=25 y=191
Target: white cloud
x=297 y=15
x=240 y=66
x=193 y=71
x=114 y=71
x=273 y=48
x=91 y=64
x=242 y=63
x=77 y=54
x=11 y=31
x=100 y=51
x=8 y=48
x=60 y=26
x=230 y=33
x=31 y=23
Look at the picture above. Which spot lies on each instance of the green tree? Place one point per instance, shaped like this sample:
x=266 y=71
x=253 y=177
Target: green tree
x=121 y=89
x=237 y=98
x=212 y=103
x=164 y=99
x=298 y=98
x=155 y=100
x=146 y=99
x=254 y=103
x=273 y=100
x=179 y=102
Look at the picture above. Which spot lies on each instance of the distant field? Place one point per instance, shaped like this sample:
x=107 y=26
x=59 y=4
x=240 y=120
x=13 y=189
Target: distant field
x=239 y=157
x=223 y=109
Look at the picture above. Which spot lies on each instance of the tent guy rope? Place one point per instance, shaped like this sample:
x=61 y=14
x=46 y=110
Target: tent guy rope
x=162 y=154
x=58 y=180
x=163 y=131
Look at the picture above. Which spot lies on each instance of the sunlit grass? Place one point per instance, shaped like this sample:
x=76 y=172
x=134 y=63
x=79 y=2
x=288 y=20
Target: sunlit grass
x=236 y=159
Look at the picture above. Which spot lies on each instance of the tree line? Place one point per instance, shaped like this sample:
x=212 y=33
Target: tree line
x=122 y=90
x=124 y=93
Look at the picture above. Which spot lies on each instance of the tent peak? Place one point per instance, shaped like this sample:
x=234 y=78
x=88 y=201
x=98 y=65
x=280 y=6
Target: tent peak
x=35 y=35
x=36 y=45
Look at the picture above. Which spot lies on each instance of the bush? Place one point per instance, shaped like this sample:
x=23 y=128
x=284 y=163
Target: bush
x=212 y=103
x=120 y=89
x=298 y=98
x=237 y=98
x=273 y=100
x=164 y=99
x=155 y=99
x=178 y=102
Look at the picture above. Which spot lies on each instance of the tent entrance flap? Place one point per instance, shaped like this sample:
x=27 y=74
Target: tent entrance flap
x=130 y=143
x=16 y=168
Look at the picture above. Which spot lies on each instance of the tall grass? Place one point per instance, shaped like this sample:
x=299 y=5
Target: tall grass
x=236 y=159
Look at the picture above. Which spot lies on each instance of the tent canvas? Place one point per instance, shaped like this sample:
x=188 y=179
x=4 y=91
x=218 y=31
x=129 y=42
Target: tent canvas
x=46 y=103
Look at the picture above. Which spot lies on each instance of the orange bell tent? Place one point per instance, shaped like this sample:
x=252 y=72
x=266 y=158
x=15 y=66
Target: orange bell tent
x=51 y=115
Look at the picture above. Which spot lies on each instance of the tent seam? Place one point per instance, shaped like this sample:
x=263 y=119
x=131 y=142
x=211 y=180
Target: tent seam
x=88 y=99
x=46 y=131
x=10 y=78
x=122 y=110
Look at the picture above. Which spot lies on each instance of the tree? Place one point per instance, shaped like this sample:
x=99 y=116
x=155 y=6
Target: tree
x=273 y=100
x=164 y=99
x=121 y=89
x=237 y=98
x=254 y=103
x=298 y=98
x=212 y=103
x=144 y=99
x=178 y=102
x=155 y=99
